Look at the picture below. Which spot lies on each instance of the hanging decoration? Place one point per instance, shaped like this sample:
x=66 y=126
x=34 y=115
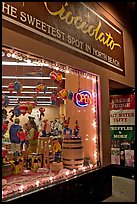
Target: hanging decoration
x=70 y=95
x=6 y=101
x=59 y=100
x=45 y=63
x=41 y=88
x=63 y=94
x=11 y=87
x=53 y=76
x=56 y=76
x=23 y=108
x=54 y=66
x=53 y=99
x=59 y=77
x=18 y=86
x=17 y=111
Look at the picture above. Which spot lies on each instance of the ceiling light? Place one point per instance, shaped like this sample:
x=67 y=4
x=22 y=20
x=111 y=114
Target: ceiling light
x=26 y=92
x=24 y=77
x=31 y=87
x=43 y=97
x=8 y=54
x=13 y=55
x=44 y=104
x=20 y=97
x=18 y=63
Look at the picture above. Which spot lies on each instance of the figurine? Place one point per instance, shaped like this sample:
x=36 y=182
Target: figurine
x=76 y=129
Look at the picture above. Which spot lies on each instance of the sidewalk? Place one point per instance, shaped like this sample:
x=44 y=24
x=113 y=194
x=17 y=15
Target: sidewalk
x=123 y=190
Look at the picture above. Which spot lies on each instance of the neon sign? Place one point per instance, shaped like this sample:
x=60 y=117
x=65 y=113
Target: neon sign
x=82 y=98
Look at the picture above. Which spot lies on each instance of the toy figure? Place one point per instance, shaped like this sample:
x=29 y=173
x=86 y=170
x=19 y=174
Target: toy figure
x=76 y=129
x=57 y=150
x=46 y=129
x=23 y=137
x=67 y=131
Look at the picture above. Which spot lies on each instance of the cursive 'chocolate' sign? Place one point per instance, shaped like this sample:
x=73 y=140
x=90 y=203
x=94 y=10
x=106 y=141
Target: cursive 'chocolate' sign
x=74 y=27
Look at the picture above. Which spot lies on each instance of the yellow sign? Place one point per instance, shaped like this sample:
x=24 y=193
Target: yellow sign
x=104 y=38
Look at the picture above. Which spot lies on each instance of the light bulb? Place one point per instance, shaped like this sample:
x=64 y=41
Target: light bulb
x=13 y=55
x=8 y=54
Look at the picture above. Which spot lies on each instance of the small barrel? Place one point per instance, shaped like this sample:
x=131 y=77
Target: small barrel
x=72 y=153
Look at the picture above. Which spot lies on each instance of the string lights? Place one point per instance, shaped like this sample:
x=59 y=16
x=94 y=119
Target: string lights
x=31 y=60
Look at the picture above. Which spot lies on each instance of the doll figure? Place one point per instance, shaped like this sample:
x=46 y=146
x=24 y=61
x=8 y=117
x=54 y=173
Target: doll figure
x=22 y=134
x=76 y=129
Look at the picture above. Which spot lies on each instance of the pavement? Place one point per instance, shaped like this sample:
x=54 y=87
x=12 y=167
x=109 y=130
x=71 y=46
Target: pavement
x=123 y=190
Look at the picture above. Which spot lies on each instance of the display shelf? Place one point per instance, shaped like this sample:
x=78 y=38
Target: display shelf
x=85 y=186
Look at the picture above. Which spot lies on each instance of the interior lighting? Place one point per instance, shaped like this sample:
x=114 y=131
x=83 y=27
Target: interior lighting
x=46 y=64
x=51 y=178
x=94 y=139
x=94 y=109
x=20 y=97
x=95 y=154
x=44 y=104
x=94 y=124
x=37 y=183
x=18 y=63
x=67 y=71
x=8 y=54
x=21 y=188
x=28 y=61
x=87 y=77
x=33 y=87
x=20 y=58
x=13 y=55
x=24 y=77
x=43 y=97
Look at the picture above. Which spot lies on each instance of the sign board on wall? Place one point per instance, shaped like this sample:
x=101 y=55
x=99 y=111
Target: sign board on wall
x=74 y=27
x=122 y=117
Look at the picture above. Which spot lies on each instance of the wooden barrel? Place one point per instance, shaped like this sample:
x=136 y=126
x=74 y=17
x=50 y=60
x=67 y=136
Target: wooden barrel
x=72 y=153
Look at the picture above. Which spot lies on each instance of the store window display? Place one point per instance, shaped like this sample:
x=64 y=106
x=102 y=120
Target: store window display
x=58 y=124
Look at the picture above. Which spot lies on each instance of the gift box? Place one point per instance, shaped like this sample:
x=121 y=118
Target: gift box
x=17 y=168
x=56 y=166
x=34 y=161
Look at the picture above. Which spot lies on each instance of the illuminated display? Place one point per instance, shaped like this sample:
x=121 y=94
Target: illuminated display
x=82 y=98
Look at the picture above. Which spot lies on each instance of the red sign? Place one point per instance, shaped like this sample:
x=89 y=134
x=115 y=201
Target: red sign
x=122 y=102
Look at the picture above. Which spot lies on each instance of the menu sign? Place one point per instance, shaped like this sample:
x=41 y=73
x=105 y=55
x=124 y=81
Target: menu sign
x=74 y=27
x=122 y=117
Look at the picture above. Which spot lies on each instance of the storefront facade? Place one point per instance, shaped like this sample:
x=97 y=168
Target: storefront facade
x=82 y=37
